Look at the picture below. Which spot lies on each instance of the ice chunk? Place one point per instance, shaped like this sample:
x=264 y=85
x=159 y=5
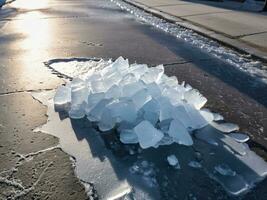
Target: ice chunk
x=130 y=89
x=96 y=113
x=148 y=136
x=151 y=111
x=79 y=93
x=153 y=74
x=225 y=127
x=93 y=99
x=140 y=98
x=63 y=95
x=179 y=133
x=173 y=95
x=113 y=92
x=123 y=110
x=153 y=89
x=239 y=137
x=121 y=64
x=138 y=70
x=99 y=86
x=197 y=120
x=128 y=79
x=173 y=161
x=217 y=117
x=194 y=98
x=77 y=111
x=165 y=108
x=107 y=121
x=165 y=125
x=224 y=170
x=207 y=115
x=194 y=164
x=168 y=81
x=180 y=113
x=128 y=136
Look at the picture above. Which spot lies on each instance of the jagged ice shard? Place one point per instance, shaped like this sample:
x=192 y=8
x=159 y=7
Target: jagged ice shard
x=146 y=107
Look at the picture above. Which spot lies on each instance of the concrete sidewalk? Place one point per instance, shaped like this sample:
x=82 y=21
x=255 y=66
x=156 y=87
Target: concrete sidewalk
x=228 y=22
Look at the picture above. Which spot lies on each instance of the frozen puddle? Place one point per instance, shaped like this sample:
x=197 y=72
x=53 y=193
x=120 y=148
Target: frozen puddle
x=137 y=108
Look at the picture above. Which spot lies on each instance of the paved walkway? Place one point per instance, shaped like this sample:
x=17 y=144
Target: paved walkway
x=229 y=22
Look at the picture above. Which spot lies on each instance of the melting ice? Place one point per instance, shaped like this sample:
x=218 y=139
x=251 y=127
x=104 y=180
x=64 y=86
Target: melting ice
x=146 y=107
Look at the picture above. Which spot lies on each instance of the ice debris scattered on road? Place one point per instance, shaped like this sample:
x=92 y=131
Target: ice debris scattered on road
x=143 y=104
x=173 y=161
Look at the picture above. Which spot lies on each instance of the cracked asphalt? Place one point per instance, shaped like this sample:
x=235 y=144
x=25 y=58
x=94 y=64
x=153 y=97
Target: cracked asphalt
x=33 y=33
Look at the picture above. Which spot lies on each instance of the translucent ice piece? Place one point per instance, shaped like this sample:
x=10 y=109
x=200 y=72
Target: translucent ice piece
x=180 y=113
x=107 y=122
x=140 y=98
x=130 y=89
x=224 y=170
x=113 y=92
x=96 y=113
x=151 y=111
x=225 y=127
x=153 y=89
x=197 y=120
x=123 y=110
x=153 y=74
x=148 y=136
x=79 y=93
x=63 y=95
x=99 y=86
x=165 y=125
x=194 y=98
x=179 y=133
x=207 y=115
x=217 y=117
x=77 y=111
x=173 y=95
x=138 y=70
x=127 y=79
x=165 y=108
x=173 y=161
x=128 y=136
x=239 y=137
x=93 y=99
x=194 y=164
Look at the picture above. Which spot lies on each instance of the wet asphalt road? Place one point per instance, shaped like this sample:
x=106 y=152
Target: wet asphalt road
x=32 y=33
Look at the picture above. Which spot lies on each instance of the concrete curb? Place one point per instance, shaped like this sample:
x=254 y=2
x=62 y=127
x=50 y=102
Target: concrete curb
x=236 y=44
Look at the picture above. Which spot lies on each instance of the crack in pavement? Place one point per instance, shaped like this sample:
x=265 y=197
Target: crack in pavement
x=25 y=91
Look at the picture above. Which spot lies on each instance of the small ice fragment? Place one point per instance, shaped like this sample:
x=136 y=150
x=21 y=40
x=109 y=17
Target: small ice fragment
x=180 y=113
x=224 y=170
x=194 y=98
x=194 y=164
x=179 y=133
x=225 y=127
x=63 y=95
x=217 y=117
x=239 y=137
x=140 y=98
x=99 y=86
x=174 y=96
x=151 y=111
x=147 y=135
x=128 y=137
x=173 y=161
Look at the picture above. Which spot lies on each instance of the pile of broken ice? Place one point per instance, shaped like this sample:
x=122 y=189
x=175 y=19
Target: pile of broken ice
x=143 y=104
